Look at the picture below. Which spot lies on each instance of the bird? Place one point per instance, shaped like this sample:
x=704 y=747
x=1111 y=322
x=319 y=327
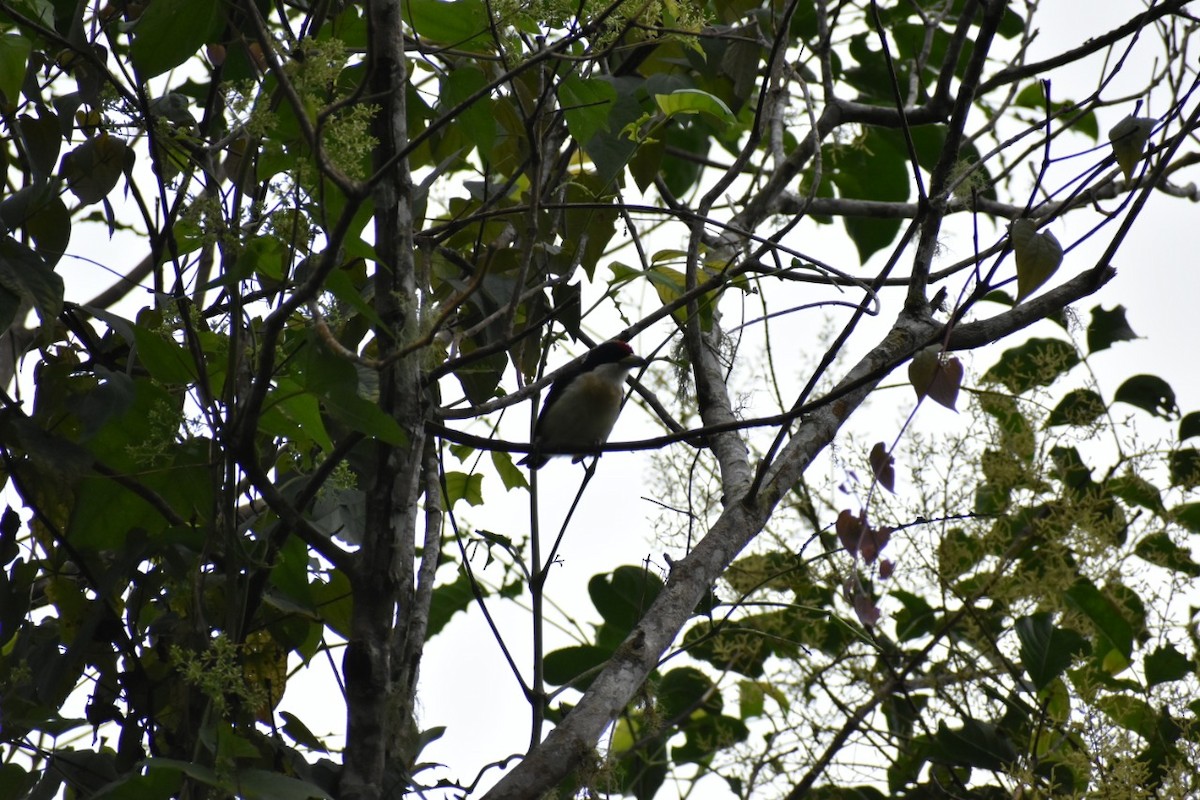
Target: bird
x=582 y=405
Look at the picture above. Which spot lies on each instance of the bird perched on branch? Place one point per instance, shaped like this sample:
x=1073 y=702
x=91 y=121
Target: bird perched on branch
x=583 y=404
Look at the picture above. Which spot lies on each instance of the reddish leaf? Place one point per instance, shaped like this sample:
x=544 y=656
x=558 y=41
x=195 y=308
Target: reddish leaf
x=872 y=541
x=936 y=375
x=922 y=369
x=868 y=613
x=849 y=531
x=883 y=465
x=944 y=389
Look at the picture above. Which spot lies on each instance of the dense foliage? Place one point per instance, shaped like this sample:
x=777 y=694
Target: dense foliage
x=350 y=237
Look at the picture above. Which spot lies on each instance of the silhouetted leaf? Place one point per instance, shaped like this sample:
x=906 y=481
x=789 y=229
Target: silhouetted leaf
x=1037 y=362
x=708 y=734
x=1160 y=549
x=1184 y=466
x=1167 y=664
x=1108 y=327
x=1136 y=490
x=623 y=596
x=1104 y=615
x=883 y=465
x=976 y=744
x=1149 y=393
x=569 y=664
x=686 y=690
x=1189 y=426
x=916 y=618
x=93 y=168
x=1078 y=407
x=26 y=275
x=849 y=530
x=1046 y=650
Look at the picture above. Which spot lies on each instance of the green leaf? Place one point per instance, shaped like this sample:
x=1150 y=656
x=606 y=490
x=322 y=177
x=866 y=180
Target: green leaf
x=751 y=699
x=299 y=733
x=694 y=101
x=1046 y=651
x=1161 y=550
x=1187 y=515
x=569 y=664
x=509 y=473
x=976 y=744
x=1137 y=491
x=1016 y=433
x=480 y=377
x=685 y=691
x=462 y=23
x=14 y=55
x=586 y=103
x=708 y=734
x=1104 y=614
x=26 y=275
x=1149 y=393
x=93 y=169
x=917 y=618
x=165 y=359
x=262 y=256
x=624 y=596
x=1107 y=328
x=448 y=600
x=261 y=784
x=461 y=486
x=1078 y=407
x=1131 y=713
x=669 y=284
x=1129 y=137
x=1038 y=256
x=1184 y=467
x=477 y=121
x=169 y=32
x=346 y=405
x=296 y=414
x=1167 y=664
x=875 y=168
x=1037 y=362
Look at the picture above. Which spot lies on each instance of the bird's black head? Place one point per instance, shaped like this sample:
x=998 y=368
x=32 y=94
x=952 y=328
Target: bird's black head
x=611 y=352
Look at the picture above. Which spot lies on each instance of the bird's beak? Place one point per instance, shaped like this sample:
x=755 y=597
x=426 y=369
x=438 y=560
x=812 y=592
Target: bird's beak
x=634 y=361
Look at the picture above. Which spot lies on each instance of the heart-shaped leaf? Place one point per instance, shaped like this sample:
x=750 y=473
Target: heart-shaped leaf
x=937 y=375
x=1128 y=138
x=1038 y=256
